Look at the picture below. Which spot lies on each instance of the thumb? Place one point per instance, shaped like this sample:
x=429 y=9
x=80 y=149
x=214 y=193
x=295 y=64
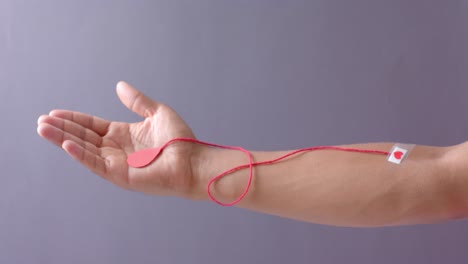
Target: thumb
x=136 y=100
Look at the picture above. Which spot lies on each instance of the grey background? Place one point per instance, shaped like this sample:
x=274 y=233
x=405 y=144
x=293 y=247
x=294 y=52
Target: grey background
x=263 y=74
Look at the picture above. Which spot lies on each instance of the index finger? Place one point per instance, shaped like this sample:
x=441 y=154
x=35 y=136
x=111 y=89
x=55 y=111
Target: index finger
x=97 y=124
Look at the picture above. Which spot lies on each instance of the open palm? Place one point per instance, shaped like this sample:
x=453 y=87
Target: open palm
x=103 y=146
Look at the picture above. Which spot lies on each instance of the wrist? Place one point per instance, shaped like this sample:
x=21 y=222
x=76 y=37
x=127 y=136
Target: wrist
x=208 y=162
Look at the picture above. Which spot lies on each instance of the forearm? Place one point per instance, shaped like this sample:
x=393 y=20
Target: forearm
x=338 y=188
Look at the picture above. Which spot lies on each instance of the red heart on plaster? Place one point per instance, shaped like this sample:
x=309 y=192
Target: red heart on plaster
x=398 y=154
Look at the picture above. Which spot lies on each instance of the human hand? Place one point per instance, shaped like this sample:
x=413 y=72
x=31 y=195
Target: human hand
x=103 y=146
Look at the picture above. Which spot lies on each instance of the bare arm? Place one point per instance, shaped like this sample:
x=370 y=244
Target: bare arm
x=325 y=186
x=342 y=188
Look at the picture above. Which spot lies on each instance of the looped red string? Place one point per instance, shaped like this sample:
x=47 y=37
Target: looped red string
x=251 y=164
x=269 y=162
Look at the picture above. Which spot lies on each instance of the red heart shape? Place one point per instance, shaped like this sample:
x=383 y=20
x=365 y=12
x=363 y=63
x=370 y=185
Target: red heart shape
x=398 y=154
x=143 y=157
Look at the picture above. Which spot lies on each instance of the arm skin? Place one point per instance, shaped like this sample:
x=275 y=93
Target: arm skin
x=344 y=188
x=324 y=186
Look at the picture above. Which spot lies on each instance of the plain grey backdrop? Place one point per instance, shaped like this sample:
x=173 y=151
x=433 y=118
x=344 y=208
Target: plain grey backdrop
x=262 y=74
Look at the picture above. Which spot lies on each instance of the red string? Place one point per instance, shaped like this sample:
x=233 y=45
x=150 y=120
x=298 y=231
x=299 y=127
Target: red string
x=251 y=164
